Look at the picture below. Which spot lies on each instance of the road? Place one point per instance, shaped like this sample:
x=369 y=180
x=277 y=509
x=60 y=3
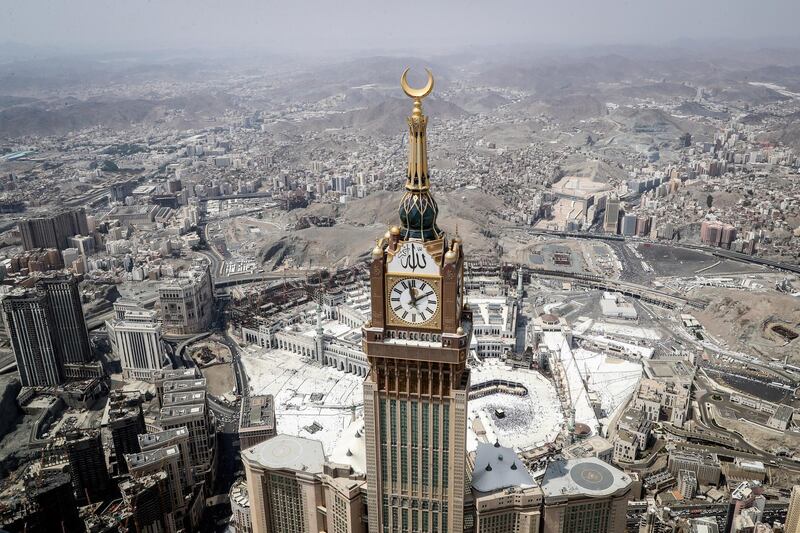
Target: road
x=749 y=451
x=718 y=252
x=242 y=386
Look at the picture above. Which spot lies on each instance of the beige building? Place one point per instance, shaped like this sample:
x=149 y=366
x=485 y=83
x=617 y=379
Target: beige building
x=345 y=500
x=585 y=496
x=665 y=392
x=687 y=484
x=291 y=489
x=283 y=485
x=626 y=447
x=187 y=302
x=506 y=497
x=162 y=460
x=593 y=446
x=793 y=513
x=416 y=343
x=201 y=433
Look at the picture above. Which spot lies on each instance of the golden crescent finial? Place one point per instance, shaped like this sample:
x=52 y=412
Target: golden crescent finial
x=416 y=93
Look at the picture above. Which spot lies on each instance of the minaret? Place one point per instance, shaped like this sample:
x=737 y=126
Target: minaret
x=319 y=336
x=417 y=341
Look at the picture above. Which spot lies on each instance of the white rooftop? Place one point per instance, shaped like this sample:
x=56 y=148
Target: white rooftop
x=287 y=452
x=311 y=401
x=582 y=477
x=497 y=467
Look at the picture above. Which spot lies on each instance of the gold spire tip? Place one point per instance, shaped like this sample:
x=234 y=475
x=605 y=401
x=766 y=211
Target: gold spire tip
x=420 y=93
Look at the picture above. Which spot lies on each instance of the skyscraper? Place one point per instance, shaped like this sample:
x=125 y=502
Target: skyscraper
x=793 y=513
x=126 y=422
x=53 y=231
x=415 y=395
x=136 y=340
x=611 y=218
x=69 y=325
x=148 y=500
x=47 y=330
x=186 y=303
x=87 y=466
x=29 y=325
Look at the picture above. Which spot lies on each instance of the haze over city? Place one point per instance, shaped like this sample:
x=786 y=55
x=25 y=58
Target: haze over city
x=318 y=27
x=407 y=267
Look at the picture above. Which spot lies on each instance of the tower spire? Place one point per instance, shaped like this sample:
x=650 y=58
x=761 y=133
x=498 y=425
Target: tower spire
x=417 y=176
x=418 y=209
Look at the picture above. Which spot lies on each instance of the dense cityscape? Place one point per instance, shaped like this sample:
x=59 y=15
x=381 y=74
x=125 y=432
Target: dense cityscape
x=557 y=294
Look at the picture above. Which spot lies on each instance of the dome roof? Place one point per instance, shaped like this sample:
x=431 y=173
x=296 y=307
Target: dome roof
x=418 y=211
x=549 y=319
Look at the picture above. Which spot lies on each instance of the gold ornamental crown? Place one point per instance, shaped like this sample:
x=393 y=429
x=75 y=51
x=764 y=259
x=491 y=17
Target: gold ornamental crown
x=417 y=176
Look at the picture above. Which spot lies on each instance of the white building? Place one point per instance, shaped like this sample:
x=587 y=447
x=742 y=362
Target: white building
x=494 y=322
x=614 y=305
x=135 y=338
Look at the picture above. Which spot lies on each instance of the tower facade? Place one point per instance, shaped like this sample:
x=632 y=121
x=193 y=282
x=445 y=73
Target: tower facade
x=69 y=324
x=87 y=464
x=136 y=340
x=29 y=325
x=415 y=394
x=793 y=513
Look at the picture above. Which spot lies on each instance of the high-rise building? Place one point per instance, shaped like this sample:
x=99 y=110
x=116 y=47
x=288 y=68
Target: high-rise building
x=53 y=231
x=793 y=513
x=126 y=423
x=162 y=378
x=687 y=484
x=201 y=437
x=54 y=503
x=611 y=218
x=136 y=340
x=717 y=234
x=747 y=496
x=87 y=466
x=283 y=486
x=148 y=502
x=69 y=324
x=256 y=420
x=415 y=394
x=584 y=495
x=240 y=508
x=162 y=460
x=506 y=497
x=47 y=330
x=29 y=325
x=177 y=438
x=187 y=302
x=628 y=225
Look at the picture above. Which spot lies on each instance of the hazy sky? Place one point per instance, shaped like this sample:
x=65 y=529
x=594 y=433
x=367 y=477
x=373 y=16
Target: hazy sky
x=380 y=25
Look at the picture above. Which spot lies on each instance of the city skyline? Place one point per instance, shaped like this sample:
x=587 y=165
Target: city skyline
x=365 y=282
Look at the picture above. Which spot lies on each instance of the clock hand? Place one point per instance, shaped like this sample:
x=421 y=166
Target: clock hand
x=425 y=295
x=413 y=293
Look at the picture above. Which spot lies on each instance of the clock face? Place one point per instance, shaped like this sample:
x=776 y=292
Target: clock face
x=414 y=301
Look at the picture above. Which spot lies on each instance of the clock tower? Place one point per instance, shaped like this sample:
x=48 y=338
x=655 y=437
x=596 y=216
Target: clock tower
x=415 y=394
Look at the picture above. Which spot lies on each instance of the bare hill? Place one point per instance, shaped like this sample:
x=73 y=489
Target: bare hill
x=745 y=322
x=361 y=222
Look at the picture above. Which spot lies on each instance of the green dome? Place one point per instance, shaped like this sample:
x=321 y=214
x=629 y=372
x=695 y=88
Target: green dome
x=418 y=211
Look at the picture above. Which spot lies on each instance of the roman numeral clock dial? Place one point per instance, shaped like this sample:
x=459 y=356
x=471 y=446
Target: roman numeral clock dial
x=414 y=301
